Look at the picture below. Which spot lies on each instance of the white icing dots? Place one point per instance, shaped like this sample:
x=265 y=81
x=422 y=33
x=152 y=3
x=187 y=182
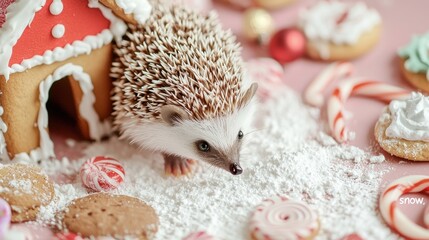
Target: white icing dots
x=56 y=7
x=58 y=31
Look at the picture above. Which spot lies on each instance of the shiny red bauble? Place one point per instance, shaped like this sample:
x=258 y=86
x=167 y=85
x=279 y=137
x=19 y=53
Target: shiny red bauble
x=287 y=45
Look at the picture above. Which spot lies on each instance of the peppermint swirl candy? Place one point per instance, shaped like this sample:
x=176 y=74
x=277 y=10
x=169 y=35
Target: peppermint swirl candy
x=102 y=173
x=426 y=217
x=282 y=218
x=5 y=217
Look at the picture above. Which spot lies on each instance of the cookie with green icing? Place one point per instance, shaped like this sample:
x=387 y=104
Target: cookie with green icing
x=415 y=61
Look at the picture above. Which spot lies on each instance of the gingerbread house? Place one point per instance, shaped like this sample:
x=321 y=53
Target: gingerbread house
x=44 y=41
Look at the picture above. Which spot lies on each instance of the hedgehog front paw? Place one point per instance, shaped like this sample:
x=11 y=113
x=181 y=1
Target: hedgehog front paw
x=177 y=166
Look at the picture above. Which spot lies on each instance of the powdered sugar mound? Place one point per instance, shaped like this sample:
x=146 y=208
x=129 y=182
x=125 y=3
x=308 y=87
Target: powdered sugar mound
x=286 y=154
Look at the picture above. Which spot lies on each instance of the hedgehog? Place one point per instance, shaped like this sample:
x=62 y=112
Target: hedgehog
x=179 y=89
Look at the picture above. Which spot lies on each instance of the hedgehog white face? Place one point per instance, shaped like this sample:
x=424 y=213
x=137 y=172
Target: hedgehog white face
x=216 y=141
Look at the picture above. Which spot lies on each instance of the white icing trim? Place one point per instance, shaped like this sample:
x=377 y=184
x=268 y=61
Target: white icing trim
x=19 y=15
x=117 y=29
x=56 y=7
x=117 y=26
x=86 y=108
x=3 y=129
x=58 y=31
x=70 y=50
x=140 y=9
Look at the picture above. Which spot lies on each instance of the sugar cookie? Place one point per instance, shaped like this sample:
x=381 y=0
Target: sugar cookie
x=415 y=62
x=25 y=188
x=409 y=140
x=103 y=214
x=338 y=30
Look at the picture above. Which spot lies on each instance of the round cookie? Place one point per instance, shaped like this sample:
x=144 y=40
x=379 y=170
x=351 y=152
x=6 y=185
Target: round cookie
x=411 y=150
x=344 y=51
x=104 y=214
x=25 y=188
x=337 y=30
x=415 y=62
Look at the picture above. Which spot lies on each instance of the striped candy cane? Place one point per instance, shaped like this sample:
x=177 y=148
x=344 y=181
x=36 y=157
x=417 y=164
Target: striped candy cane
x=313 y=94
x=357 y=87
x=391 y=213
x=201 y=235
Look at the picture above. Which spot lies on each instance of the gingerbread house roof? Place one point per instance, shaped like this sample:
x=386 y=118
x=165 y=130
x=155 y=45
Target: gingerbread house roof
x=45 y=31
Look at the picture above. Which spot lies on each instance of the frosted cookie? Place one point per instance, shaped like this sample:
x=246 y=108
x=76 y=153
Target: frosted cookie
x=415 y=62
x=338 y=30
x=403 y=128
x=25 y=188
x=104 y=214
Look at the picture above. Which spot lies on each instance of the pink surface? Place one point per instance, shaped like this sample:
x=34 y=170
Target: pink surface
x=401 y=19
x=79 y=21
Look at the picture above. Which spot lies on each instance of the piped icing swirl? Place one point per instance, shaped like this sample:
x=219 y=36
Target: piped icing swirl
x=338 y=22
x=416 y=54
x=410 y=118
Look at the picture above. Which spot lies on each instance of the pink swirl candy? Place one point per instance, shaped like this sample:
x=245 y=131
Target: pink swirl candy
x=201 y=235
x=283 y=218
x=5 y=216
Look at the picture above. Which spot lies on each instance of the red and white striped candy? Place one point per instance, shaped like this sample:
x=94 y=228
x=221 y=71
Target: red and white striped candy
x=313 y=94
x=426 y=216
x=67 y=236
x=201 y=235
x=102 y=173
x=390 y=211
x=283 y=218
x=267 y=72
x=357 y=87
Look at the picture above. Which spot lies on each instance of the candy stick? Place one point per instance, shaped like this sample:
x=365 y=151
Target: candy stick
x=201 y=235
x=313 y=94
x=391 y=213
x=357 y=87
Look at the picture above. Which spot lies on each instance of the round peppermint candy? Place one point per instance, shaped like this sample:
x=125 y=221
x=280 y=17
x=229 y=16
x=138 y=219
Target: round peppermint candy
x=102 y=173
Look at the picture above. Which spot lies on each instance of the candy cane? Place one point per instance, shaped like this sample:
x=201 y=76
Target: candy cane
x=201 y=235
x=283 y=218
x=357 y=87
x=313 y=94
x=391 y=213
x=426 y=217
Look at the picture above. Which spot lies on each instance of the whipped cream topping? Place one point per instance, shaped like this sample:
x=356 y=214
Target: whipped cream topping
x=410 y=118
x=338 y=22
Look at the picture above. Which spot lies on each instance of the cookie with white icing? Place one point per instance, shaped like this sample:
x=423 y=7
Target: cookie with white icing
x=337 y=30
x=415 y=62
x=403 y=128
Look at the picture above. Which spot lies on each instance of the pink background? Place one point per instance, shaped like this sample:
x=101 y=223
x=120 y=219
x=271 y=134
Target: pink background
x=401 y=20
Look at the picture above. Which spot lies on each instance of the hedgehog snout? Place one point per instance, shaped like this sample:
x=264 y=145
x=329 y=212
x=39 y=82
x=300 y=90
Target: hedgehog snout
x=235 y=169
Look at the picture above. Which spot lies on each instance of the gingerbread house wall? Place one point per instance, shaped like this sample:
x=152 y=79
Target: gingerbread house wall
x=20 y=98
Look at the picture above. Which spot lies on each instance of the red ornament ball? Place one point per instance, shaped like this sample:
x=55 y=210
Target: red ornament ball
x=287 y=45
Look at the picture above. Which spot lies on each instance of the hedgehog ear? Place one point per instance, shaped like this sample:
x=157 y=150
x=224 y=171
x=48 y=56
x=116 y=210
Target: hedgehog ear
x=248 y=95
x=173 y=114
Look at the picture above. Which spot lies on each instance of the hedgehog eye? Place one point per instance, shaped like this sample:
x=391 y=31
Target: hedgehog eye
x=203 y=146
x=240 y=134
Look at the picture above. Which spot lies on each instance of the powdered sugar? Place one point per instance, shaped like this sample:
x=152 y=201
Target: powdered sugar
x=282 y=156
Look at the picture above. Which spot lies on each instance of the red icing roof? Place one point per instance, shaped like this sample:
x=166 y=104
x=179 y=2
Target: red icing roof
x=3 y=6
x=79 y=21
